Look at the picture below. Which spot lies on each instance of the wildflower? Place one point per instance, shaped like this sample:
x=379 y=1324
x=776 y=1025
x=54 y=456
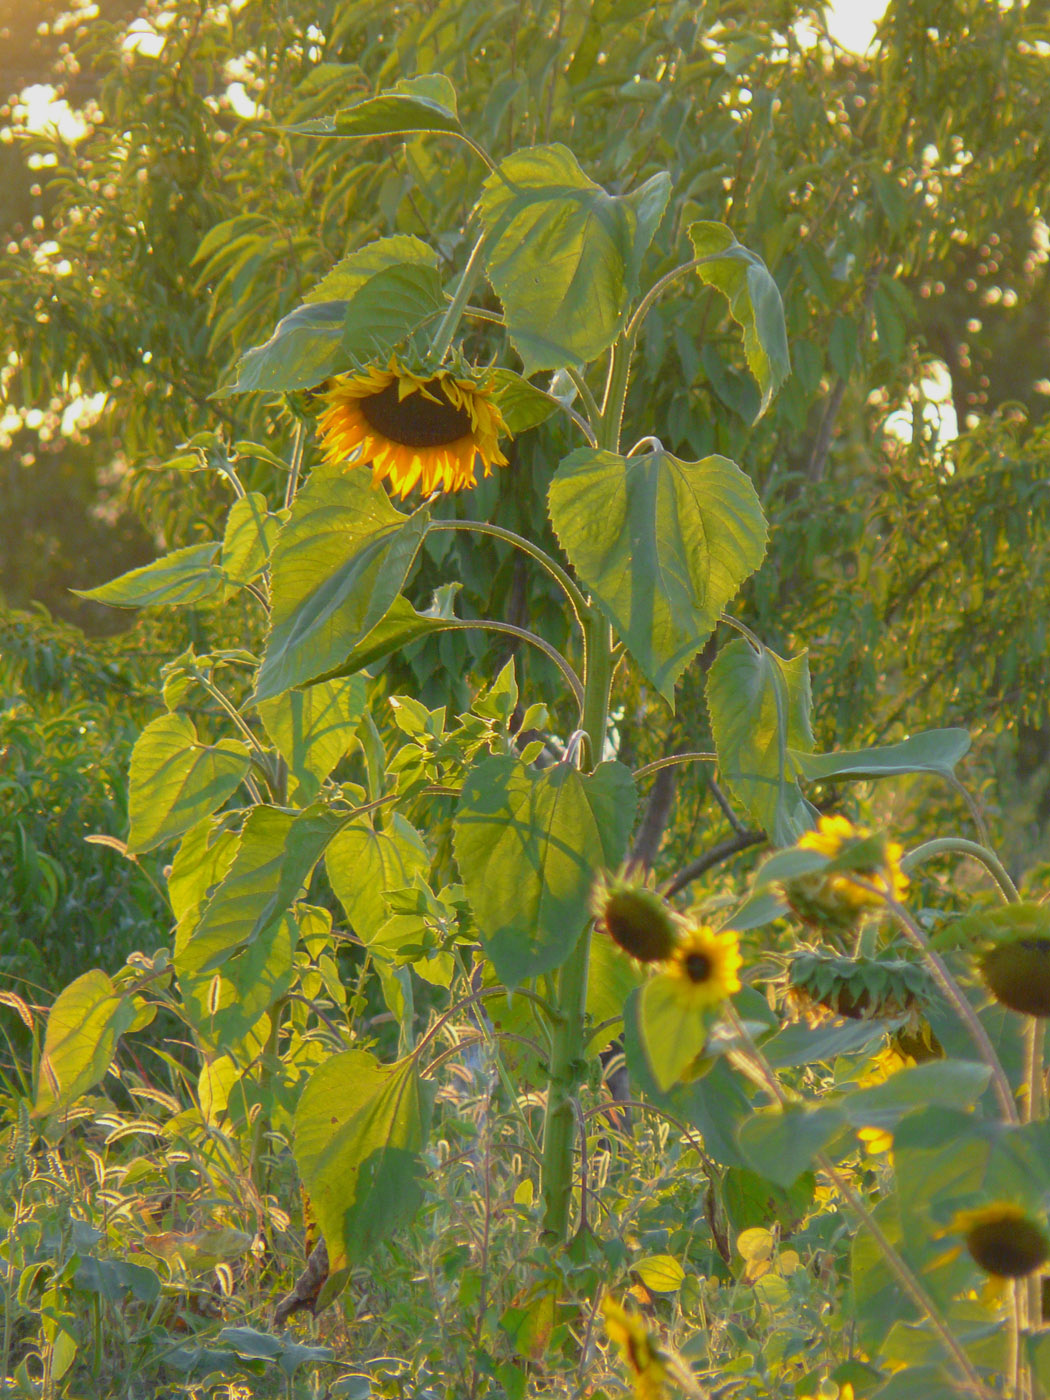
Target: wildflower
x=705 y=967
x=635 y=918
x=1003 y=1240
x=413 y=428
x=835 y=899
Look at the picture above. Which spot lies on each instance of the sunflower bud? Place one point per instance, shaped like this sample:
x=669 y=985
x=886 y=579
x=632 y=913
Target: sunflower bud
x=635 y=918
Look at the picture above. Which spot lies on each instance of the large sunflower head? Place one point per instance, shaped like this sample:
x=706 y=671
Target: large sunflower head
x=428 y=429
x=705 y=965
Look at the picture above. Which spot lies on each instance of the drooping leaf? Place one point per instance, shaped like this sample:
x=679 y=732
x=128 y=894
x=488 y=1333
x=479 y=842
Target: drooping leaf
x=401 y=625
x=387 y=309
x=934 y=751
x=563 y=254
x=83 y=1027
x=251 y=532
x=760 y=706
x=306 y=347
x=176 y=780
x=528 y=846
x=423 y=103
x=754 y=302
x=338 y=565
x=364 y=863
x=179 y=579
x=956 y=1084
x=662 y=545
x=313 y=728
x=359 y=1131
x=522 y=404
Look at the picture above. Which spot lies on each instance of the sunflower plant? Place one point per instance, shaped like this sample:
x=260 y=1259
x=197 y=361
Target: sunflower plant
x=335 y=844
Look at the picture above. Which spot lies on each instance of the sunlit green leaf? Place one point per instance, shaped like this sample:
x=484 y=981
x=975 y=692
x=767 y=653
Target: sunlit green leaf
x=176 y=780
x=672 y=1031
x=563 y=254
x=528 y=845
x=760 y=706
x=353 y=271
x=662 y=545
x=313 y=728
x=251 y=532
x=178 y=579
x=424 y=103
x=338 y=565
x=304 y=349
x=83 y=1026
x=363 y=863
x=359 y=1131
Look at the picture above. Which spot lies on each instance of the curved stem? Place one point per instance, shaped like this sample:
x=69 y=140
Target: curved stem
x=954 y=993
x=634 y=324
x=454 y=312
x=478 y=1039
x=960 y=846
x=575 y=684
x=744 y=631
x=565 y=583
x=972 y=807
x=482 y=995
x=590 y=404
x=670 y=762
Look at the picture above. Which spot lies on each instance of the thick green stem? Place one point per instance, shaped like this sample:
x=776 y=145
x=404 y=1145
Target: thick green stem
x=568 y=1044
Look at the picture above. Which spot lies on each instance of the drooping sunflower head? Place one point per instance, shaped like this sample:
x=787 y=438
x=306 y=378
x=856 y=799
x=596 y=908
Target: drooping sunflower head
x=1003 y=1239
x=706 y=966
x=836 y=899
x=1017 y=973
x=428 y=429
x=635 y=918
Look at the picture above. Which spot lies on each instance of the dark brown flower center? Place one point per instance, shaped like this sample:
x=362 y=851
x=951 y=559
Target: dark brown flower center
x=697 y=967
x=1007 y=1248
x=416 y=421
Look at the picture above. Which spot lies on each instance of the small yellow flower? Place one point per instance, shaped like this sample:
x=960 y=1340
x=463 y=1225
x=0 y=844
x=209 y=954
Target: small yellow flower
x=635 y=918
x=705 y=966
x=1003 y=1240
x=836 y=900
x=413 y=429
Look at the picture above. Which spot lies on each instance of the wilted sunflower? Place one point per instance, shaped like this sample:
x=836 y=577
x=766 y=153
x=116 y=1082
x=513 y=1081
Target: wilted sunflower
x=1003 y=1240
x=705 y=966
x=635 y=918
x=429 y=429
x=836 y=900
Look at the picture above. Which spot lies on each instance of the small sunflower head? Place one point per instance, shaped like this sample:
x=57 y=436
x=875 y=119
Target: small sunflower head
x=705 y=966
x=836 y=899
x=1017 y=973
x=428 y=428
x=635 y=918
x=1003 y=1240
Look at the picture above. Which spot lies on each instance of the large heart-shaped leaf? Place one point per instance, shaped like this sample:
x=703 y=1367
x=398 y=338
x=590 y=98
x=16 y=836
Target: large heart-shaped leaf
x=83 y=1027
x=359 y=1130
x=338 y=565
x=313 y=728
x=662 y=545
x=528 y=846
x=564 y=255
